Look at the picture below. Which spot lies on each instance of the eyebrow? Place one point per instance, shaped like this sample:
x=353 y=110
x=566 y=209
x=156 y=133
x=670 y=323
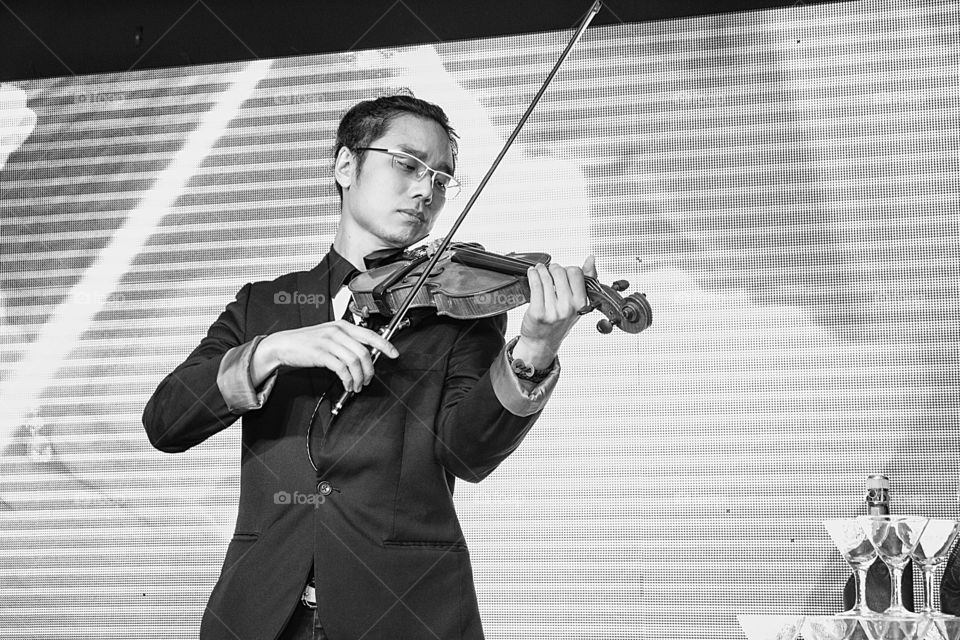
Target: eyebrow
x=421 y=155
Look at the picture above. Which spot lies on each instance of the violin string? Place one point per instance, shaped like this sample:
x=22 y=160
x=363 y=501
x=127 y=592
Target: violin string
x=590 y=281
x=493 y=257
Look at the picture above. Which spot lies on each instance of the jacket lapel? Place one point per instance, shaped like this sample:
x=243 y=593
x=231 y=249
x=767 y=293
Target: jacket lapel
x=313 y=290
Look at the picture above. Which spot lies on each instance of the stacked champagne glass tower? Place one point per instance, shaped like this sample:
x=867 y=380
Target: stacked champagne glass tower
x=894 y=540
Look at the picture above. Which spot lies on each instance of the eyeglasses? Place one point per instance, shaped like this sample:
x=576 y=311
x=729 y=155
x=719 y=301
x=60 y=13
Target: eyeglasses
x=413 y=167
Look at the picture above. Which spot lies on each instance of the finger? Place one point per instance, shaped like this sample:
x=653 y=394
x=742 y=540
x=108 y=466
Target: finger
x=590 y=266
x=578 y=289
x=546 y=279
x=561 y=286
x=351 y=361
x=371 y=339
x=360 y=360
x=570 y=289
x=536 y=289
x=549 y=275
x=337 y=366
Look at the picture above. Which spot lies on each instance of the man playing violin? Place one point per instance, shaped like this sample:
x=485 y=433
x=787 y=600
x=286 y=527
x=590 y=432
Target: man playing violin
x=346 y=528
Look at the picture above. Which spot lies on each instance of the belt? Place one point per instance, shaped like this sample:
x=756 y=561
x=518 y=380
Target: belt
x=309 y=596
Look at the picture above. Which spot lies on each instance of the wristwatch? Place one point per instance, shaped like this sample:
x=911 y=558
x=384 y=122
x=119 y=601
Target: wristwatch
x=526 y=371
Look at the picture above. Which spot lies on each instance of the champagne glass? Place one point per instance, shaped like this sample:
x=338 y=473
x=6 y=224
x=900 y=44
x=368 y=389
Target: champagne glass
x=853 y=544
x=770 y=627
x=830 y=628
x=931 y=552
x=895 y=538
x=943 y=629
x=899 y=628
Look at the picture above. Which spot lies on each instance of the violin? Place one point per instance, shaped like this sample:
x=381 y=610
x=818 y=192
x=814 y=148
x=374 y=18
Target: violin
x=468 y=282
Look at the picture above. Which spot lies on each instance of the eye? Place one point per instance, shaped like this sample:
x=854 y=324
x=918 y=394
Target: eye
x=405 y=164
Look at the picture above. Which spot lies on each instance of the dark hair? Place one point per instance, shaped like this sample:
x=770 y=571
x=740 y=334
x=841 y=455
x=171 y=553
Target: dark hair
x=368 y=120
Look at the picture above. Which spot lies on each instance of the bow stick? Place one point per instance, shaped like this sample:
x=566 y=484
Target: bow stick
x=401 y=313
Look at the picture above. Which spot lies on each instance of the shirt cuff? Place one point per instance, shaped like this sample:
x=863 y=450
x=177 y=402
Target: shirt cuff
x=520 y=397
x=233 y=379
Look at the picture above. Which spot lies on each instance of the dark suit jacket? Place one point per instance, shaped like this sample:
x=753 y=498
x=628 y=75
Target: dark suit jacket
x=386 y=546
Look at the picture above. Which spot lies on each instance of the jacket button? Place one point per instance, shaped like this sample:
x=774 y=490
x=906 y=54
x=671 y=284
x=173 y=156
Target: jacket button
x=324 y=488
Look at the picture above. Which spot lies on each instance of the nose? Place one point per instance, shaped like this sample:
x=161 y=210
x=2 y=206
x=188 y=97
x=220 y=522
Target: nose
x=423 y=188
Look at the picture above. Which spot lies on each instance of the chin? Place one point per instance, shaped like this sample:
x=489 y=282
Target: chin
x=410 y=235
x=403 y=240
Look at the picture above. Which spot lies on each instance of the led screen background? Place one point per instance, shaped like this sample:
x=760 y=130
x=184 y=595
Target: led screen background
x=782 y=184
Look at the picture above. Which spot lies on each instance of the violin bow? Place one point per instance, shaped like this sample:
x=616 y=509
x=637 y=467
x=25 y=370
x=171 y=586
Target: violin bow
x=401 y=313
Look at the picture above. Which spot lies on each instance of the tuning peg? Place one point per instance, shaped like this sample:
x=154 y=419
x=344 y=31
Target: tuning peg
x=620 y=285
x=605 y=326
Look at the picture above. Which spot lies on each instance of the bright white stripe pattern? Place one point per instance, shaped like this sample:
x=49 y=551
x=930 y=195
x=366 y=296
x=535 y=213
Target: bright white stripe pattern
x=788 y=180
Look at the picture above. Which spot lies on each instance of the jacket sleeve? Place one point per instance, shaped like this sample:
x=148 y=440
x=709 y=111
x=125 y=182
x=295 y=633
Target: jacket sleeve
x=189 y=406
x=485 y=410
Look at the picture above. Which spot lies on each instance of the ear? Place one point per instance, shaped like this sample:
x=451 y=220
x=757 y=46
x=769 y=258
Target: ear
x=345 y=168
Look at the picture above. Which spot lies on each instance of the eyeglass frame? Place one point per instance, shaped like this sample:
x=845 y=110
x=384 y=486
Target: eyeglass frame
x=425 y=168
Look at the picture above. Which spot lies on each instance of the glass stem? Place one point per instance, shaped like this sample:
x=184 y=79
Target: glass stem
x=896 y=594
x=927 y=570
x=861 y=605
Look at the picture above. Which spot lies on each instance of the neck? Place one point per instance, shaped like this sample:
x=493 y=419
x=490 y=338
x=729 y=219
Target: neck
x=355 y=245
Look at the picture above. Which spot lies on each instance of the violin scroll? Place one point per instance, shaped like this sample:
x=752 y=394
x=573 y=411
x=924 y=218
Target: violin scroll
x=632 y=314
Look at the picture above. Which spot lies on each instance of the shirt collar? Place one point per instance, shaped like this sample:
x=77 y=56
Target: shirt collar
x=382 y=257
x=342 y=271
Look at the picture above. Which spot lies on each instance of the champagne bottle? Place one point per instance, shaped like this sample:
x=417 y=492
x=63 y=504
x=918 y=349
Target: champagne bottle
x=878 y=576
